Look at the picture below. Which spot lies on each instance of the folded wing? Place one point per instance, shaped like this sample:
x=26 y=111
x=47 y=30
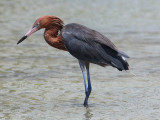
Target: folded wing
x=89 y=45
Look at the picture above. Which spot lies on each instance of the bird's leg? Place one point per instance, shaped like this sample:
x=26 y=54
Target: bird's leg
x=81 y=63
x=88 y=78
x=89 y=85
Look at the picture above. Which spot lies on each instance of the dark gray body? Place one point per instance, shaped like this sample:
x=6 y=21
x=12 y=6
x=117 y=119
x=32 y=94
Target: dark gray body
x=90 y=46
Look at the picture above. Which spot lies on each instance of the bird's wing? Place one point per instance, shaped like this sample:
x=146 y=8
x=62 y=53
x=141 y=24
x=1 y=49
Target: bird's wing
x=88 y=45
x=82 y=50
x=89 y=36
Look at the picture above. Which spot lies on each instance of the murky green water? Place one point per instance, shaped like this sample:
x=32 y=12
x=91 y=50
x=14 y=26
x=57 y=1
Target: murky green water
x=38 y=82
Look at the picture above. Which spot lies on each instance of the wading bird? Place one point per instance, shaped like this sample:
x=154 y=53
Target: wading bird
x=85 y=44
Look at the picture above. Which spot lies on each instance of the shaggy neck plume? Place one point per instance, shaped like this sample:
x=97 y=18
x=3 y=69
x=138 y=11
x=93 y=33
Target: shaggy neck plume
x=53 y=35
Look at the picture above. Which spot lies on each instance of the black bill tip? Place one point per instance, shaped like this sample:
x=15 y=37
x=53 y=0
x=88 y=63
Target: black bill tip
x=23 y=38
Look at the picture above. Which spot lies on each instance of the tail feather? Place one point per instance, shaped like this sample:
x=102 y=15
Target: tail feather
x=115 y=58
x=124 y=63
x=120 y=63
x=120 y=53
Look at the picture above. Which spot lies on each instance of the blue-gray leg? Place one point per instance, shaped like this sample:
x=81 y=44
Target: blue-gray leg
x=88 y=78
x=83 y=73
x=89 y=88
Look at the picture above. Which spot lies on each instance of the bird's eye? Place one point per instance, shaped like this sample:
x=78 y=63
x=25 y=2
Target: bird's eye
x=36 y=25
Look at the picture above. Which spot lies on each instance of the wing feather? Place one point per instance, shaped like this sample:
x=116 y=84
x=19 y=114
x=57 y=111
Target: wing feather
x=89 y=45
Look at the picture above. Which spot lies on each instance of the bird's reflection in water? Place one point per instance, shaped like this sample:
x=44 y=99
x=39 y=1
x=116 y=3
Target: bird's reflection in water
x=88 y=115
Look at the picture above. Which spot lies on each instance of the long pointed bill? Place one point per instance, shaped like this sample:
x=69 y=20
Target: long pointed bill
x=31 y=31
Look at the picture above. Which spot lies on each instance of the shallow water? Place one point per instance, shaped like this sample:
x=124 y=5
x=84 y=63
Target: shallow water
x=40 y=82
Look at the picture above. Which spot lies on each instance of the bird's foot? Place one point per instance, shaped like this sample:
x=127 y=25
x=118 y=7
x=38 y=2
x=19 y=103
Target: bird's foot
x=86 y=102
x=86 y=99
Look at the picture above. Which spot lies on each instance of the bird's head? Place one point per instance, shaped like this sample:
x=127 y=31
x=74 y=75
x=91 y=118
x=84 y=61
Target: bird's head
x=43 y=22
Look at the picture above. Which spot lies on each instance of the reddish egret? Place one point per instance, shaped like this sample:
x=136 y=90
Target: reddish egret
x=85 y=44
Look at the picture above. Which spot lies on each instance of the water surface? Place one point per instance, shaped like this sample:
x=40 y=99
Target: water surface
x=38 y=82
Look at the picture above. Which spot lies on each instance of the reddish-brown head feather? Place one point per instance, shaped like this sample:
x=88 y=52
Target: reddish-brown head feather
x=52 y=25
x=48 y=22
